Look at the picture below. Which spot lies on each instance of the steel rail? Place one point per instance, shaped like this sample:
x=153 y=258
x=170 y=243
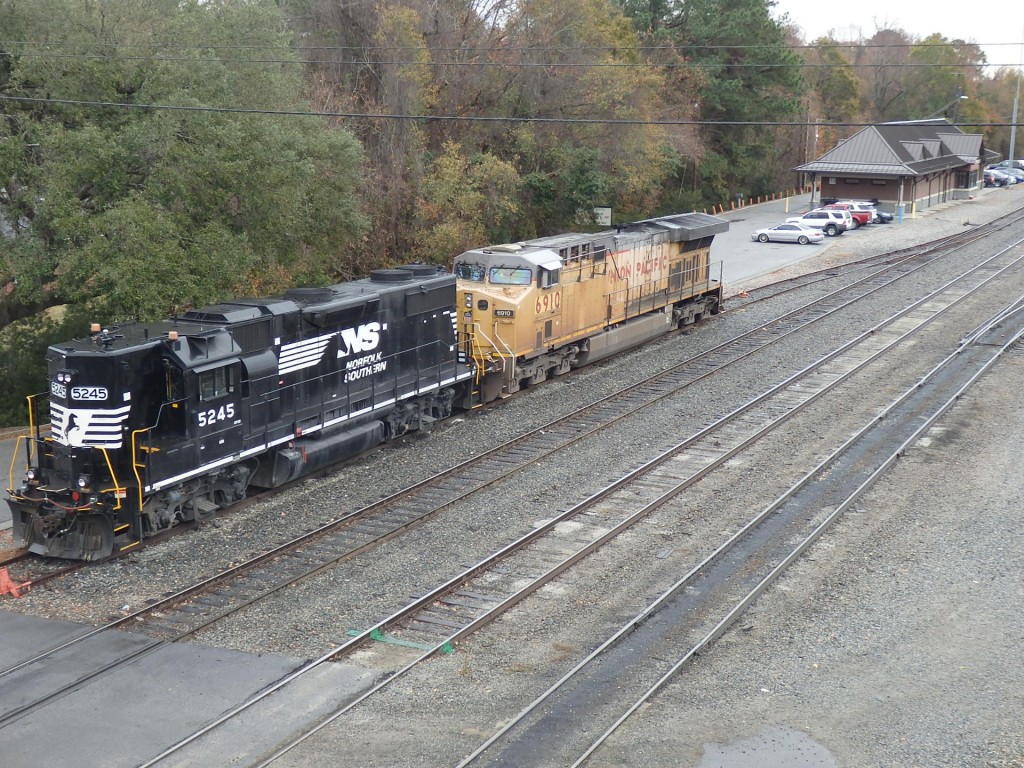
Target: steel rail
x=954 y=298
x=775 y=329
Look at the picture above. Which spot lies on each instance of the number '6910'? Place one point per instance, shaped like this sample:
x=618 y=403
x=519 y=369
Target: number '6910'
x=212 y=416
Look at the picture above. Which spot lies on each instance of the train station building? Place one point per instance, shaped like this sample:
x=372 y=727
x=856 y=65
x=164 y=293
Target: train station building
x=903 y=166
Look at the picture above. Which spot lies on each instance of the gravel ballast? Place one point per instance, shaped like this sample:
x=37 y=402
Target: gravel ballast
x=876 y=650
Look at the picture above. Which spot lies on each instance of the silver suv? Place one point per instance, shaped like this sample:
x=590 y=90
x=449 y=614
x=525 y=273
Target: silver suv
x=832 y=223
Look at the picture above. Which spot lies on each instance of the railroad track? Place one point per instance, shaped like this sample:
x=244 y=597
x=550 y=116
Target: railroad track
x=703 y=604
x=188 y=611
x=474 y=598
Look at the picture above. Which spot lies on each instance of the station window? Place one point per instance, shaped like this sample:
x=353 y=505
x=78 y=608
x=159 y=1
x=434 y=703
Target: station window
x=216 y=383
x=510 y=276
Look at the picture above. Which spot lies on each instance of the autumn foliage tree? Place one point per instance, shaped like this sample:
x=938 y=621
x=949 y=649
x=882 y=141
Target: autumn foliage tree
x=156 y=156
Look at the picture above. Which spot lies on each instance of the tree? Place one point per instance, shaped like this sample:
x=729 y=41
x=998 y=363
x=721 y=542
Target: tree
x=995 y=99
x=577 y=62
x=880 y=64
x=465 y=203
x=940 y=72
x=832 y=79
x=750 y=76
x=134 y=211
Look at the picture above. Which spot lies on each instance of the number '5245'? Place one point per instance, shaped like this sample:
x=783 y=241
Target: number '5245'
x=212 y=416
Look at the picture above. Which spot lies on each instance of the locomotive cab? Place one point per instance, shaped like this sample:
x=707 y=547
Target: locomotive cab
x=78 y=477
x=132 y=412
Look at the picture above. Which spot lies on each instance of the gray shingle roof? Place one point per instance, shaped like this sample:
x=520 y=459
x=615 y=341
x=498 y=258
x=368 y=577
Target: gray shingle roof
x=911 y=148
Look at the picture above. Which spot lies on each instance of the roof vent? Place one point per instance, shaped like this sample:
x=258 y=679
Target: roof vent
x=309 y=295
x=390 y=275
x=420 y=270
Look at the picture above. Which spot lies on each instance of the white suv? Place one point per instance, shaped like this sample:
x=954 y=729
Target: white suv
x=832 y=223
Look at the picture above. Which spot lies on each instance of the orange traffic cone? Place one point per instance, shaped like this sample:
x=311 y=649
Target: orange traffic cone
x=12 y=588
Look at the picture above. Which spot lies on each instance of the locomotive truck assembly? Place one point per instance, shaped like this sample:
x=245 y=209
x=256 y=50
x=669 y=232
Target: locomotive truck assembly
x=146 y=426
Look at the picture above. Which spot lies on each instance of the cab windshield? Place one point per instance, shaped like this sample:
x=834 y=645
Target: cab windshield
x=467 y=271
x=510 y=276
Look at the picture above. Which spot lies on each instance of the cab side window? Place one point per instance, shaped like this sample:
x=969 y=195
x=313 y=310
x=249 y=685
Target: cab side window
x=216 y=383
x=549 y=277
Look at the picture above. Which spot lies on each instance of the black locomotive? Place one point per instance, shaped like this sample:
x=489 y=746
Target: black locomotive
x=152 y=425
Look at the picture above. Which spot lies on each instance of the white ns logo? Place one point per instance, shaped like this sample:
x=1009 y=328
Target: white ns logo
x=361 y=339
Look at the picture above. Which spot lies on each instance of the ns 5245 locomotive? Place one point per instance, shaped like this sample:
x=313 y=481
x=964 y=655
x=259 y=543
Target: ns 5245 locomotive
x=153 y=425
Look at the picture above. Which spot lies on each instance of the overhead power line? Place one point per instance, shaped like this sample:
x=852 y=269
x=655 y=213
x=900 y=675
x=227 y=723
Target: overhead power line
x=510 y=64
x=458 y=118
x=516 y=49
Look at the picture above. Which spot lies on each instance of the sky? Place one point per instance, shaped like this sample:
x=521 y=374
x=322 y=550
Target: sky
x=989 y=24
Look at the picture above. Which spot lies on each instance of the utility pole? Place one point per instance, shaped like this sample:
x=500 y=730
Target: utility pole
x=1013 y=129
x=956 y=102
x=1013 y=120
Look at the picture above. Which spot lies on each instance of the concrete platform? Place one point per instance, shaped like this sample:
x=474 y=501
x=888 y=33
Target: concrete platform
x=128 y=716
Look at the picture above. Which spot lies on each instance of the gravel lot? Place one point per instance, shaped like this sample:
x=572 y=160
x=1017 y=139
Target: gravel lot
x=876 y=651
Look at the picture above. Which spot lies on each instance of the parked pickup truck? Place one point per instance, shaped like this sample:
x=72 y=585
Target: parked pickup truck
x=861 y=216
x=877 y=216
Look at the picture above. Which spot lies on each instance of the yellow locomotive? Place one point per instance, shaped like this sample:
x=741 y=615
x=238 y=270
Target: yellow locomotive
x=536 y=309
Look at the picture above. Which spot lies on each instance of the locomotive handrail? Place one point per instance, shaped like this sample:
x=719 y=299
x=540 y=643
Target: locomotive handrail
x=118 y=490
x=148 y=449
x=33 y=436
x=33 y=427
x=14 y=458
x=507 y=360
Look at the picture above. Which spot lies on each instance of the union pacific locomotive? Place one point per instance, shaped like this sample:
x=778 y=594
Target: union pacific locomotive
x=537 y=309
x=153 y=425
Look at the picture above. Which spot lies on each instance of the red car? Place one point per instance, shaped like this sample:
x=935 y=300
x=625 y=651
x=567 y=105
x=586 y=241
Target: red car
x=859 y=216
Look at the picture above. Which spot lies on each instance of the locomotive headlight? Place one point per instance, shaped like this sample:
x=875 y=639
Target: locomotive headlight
x=60 y=377
x=469 y=301
x=32 y=476
x=83 y=482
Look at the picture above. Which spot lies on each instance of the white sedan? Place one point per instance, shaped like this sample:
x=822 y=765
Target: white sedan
x=790 y=232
